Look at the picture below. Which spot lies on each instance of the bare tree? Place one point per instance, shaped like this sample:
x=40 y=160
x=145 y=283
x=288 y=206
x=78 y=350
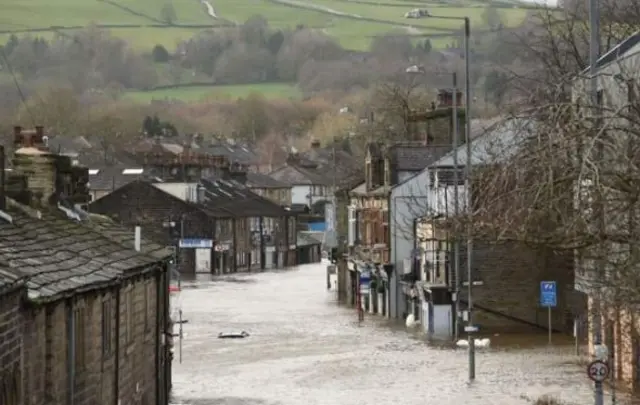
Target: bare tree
x=572 y=182
x=387 y=116
x=551 y=48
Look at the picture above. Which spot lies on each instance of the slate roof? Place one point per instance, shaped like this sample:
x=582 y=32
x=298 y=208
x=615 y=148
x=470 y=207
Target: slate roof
x=235 y=153
x=9 y=278
x=126 y=237
x=295 y=175
x=617 y=51
x=498 y=143
x=58 y=256
x=110 y=178
x=317 y=166
x=68 y=144
x=88 y=150
x=264 y=181
x=237 y=198
x=407 y=157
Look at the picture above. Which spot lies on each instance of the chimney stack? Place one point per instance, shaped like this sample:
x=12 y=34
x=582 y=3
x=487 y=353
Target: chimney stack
x=39 y=180
x=445 y=98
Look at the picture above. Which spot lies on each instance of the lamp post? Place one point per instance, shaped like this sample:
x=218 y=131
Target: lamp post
x=594 y=55
x=467 y=130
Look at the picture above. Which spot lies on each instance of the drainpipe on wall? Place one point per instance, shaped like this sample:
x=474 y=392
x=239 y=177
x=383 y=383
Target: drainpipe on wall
x=286 y=238
x=235 y=246
x=214 y=241
x=116 y=367
x=262 y=248
x=390 y=234
x=160 y=334
x=167 y=331
x=71 y=354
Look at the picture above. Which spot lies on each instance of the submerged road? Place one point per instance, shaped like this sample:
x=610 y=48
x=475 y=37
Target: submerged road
x=304 y=349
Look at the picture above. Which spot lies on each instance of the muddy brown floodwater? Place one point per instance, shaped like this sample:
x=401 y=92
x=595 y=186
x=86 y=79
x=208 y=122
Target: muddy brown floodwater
x=304 y=349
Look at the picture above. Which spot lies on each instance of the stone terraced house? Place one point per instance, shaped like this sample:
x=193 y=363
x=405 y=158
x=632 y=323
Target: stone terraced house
x=83 y=302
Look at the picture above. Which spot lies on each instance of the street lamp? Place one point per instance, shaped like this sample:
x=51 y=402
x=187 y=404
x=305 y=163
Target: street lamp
x=467 y=102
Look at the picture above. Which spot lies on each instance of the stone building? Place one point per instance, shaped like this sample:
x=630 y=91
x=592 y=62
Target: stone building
x=95 y=313
x=12 y=295
x=505 y=273
x=235 y=229
x=268 y=187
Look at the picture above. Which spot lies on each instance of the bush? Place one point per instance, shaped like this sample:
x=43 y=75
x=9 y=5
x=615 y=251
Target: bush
x=160 y=54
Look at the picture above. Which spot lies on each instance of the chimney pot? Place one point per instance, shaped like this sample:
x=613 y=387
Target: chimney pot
x=39 y=134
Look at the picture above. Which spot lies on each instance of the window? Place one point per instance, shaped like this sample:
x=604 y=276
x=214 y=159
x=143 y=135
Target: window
x=433 y=179
x=79 y=334
x=380 y=173
x=385 y=227
x=352 y=225
x=436 y=261
x=147 y=305
x=446 y=177
x=107 y=321
x=318 y=190
x=129 y=315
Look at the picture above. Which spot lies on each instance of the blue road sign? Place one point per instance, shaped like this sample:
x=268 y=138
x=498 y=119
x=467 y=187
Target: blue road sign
x=548 y=294
x=195 y=243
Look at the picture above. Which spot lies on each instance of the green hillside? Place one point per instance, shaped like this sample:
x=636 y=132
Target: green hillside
x=143 y=24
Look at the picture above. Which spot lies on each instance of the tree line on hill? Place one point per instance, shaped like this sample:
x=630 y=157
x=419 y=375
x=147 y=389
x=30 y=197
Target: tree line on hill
x=93 y=59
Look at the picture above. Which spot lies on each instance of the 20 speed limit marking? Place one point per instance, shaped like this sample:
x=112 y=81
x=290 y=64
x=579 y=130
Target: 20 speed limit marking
x=598 y=371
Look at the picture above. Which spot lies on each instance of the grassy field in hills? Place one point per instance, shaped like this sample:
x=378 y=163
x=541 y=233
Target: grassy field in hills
x=353 y=23
x=198 y=93
x=65 y=15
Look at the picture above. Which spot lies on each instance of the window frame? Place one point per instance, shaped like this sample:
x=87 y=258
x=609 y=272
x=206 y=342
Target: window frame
x=106 y=326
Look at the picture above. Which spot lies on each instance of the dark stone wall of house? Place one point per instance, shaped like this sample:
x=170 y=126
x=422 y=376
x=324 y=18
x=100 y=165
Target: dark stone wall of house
x=511 y=273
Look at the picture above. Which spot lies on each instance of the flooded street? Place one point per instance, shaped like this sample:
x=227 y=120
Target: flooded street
x=304 y=349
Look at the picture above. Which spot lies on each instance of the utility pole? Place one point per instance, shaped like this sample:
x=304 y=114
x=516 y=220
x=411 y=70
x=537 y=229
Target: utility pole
x=594 y=54
x=456 y=211
x=467 y=130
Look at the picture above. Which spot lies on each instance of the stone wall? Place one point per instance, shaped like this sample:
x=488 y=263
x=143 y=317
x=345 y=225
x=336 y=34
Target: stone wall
x=510 y=292
x=47 y=347
x=137 y=345
x=11 y=345
x=35 y=356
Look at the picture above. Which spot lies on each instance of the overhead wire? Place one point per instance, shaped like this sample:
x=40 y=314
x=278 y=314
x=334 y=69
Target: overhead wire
x=16 y=82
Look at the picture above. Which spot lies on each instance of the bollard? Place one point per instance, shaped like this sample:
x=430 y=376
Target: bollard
x=328 y=277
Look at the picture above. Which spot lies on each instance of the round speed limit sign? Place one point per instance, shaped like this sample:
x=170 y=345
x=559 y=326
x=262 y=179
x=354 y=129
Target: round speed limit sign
x=598 y=371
